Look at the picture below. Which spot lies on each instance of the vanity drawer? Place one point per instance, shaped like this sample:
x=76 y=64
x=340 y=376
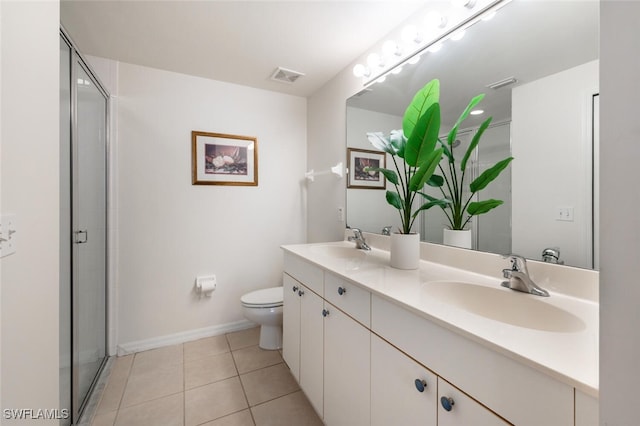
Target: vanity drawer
x=498 y=382
x=350 y=298
x=310 y=275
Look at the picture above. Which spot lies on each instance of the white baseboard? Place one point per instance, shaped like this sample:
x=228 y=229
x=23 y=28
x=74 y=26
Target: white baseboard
x=185 y=336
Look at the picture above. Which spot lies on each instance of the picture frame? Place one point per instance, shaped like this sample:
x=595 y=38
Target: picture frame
x=221 y=159
x=358 y=159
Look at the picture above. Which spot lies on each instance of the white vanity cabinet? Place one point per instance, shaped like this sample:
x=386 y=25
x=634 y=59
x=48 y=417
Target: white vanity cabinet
x=457 y=409
x=403 y=392
x=346 y=370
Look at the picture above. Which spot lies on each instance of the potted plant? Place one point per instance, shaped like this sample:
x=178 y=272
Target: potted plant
x=415 y=158
x=456 y=204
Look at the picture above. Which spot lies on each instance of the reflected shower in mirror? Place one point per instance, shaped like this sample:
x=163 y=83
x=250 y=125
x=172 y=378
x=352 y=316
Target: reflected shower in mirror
x=537 y=64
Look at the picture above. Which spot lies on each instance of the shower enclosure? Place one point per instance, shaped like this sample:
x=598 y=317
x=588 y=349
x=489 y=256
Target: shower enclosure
x=83 y=229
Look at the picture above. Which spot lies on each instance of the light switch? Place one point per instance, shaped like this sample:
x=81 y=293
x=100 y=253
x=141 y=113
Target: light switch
x=7 y=234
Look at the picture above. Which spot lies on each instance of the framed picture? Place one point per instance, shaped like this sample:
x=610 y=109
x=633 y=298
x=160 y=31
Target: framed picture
x=219 y=159
x=358 y=160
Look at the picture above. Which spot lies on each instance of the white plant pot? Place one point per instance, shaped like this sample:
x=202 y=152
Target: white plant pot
x=456 y=238
x=405 y=251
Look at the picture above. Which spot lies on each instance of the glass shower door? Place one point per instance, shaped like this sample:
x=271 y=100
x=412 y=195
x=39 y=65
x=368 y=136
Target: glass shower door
x=89 y=224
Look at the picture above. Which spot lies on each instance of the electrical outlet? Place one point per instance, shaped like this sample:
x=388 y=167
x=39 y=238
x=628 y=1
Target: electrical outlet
x=564 y=214
x=340 y=214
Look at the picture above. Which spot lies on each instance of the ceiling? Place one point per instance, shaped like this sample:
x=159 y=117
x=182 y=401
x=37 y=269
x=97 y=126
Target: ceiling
x=240 y=42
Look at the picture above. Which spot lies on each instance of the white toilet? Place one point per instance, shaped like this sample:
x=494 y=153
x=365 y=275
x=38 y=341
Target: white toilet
x=264 y=307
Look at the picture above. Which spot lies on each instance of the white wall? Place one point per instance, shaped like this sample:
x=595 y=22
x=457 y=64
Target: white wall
x=170 y=231
x=619 y=222
x=326 y=138
x=30 y=189
x=552 y=150
x=368 y=209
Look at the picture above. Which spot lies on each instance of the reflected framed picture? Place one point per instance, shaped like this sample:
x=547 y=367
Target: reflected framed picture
x=359 y=176
x=220 y=159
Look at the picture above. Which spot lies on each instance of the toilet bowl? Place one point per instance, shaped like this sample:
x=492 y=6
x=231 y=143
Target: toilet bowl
x=264 y=307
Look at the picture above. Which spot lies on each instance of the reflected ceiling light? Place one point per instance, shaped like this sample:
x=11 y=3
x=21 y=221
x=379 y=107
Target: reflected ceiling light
x=435 y=47
x=381 y=79
x=489 y=16
x=391 y=48
x=464 y=3
x=477 y=112
x=458 y=35
x=435 y=19
x=360 y=70
x=414 y=59
x=410 y=34
x=396 y=70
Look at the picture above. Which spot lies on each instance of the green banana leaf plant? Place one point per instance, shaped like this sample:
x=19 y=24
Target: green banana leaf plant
x=457 y=206
x=415 y=156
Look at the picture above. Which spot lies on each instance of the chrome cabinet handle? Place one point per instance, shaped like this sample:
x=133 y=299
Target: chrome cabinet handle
x=300 y=293
x=325 y=313
x=341 y=290
x=447 y=402
x=421 y=385
x=295 y=288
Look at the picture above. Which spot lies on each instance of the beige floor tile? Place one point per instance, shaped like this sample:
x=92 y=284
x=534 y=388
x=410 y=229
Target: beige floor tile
x=207 y=370
x=213 y=401
x=149 y=386
x=242 y=418
x=156 y=359
x=203 y=348
x=254 y=358
x=268 y=383
x=104 y=419
x=118 y=376
x=293 y=409
x=244 y=338
x=167 y=411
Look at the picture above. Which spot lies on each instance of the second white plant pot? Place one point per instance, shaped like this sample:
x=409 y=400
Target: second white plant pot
x=405 y=251
x=457 y=238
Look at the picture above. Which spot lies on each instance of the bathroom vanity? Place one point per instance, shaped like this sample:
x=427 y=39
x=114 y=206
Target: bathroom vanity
x=441 y=345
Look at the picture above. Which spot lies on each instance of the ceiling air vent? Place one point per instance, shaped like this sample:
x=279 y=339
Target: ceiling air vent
x=284 y=75
x=502 y=83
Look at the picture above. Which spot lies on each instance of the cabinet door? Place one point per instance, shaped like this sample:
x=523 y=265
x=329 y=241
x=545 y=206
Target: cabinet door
x=461 y=410
x=311 y=347
x=291 y=325
x=396 y=398
x=346 y=370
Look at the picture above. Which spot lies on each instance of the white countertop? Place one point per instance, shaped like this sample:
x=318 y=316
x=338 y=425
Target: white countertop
x=568 y=356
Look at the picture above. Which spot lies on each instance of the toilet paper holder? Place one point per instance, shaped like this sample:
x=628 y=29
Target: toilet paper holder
x=205 y=285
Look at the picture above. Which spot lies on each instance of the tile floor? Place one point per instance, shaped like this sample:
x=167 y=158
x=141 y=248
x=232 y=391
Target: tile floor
x=217 y=381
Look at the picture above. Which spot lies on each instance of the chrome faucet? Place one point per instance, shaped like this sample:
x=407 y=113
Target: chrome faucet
x=519 y=278
x=386 y=230
x=359 y=239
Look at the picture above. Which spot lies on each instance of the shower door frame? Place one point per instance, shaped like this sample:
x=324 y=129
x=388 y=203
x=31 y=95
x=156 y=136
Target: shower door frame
x=76 y=59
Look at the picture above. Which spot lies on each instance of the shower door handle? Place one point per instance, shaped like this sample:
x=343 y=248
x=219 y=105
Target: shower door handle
x=81 y=237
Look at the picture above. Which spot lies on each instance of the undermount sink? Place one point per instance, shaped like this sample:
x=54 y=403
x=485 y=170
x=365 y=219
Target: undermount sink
x=507 y=306
x=339 y=251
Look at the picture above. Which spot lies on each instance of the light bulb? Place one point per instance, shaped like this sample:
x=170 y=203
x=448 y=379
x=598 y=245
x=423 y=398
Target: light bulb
x=374 y=60
x=414 y=60
x=463 y=3
x=360 y=71
x=435 y=47
x=410 y=34
x=477 y=112
x=391 y=48
x=396 y=70
x=381 y=79
x=434 y=19
x=489 y=16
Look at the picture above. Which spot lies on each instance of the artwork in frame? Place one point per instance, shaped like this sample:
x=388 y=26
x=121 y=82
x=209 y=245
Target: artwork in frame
x=359 y=160
x=220 y=159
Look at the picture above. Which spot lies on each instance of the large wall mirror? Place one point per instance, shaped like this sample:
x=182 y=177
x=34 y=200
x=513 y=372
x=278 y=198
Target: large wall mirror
x=546 y=119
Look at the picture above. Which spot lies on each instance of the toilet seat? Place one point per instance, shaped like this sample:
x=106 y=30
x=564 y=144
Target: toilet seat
x=265 y=298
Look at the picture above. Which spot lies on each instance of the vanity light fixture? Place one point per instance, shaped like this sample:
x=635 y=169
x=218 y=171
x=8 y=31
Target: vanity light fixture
x=391 y=48
x=375 y=61
x=464 y=3
x=410 y=34
x=435 y=19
